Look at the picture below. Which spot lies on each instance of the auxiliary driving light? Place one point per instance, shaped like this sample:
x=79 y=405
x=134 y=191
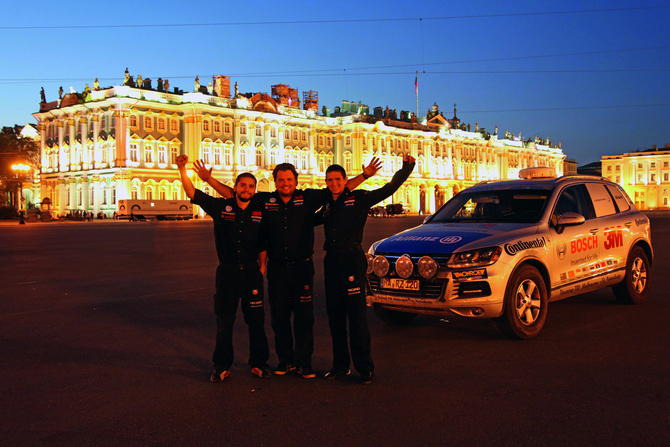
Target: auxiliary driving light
x=370 y=259
x=380 y=266
x=427 y=267
x=404 y=266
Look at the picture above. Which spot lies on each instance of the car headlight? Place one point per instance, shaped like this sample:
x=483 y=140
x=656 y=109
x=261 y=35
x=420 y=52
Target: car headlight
x=475 y=258
x=370 y=259
x=404 y=266
x=427 y=267
x=380 y=265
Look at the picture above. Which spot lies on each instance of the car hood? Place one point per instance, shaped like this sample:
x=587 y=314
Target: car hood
x=445 y=238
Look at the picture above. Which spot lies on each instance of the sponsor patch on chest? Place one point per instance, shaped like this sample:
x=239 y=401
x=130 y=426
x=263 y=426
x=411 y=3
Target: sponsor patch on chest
x=256 y=216
x=227 y=216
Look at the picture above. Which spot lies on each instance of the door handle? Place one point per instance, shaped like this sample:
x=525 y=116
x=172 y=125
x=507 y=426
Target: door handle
x=594 y=231
x=628 y=224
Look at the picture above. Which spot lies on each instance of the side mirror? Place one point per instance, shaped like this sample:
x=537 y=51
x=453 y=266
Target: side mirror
x=569 y=219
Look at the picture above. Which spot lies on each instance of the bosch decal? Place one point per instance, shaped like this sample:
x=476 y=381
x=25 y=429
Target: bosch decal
x=585 y=243
x=512 y=249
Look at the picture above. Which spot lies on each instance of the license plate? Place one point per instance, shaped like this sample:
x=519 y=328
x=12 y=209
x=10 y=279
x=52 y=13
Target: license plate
x=400 y=284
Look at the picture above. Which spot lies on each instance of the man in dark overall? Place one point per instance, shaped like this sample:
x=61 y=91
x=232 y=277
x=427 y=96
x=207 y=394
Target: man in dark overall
x=289 y=215
x=344 y=217
x=239 y=276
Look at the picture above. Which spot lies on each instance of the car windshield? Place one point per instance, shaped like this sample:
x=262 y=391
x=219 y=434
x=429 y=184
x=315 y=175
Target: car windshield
x=507 y=206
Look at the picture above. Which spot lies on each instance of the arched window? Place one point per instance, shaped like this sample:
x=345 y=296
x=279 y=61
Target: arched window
x=228 y=156
x=347 y=162
x=259 y=157
x=133 y=120
x=217 y=155
x=206 y=126
x=243 y=129
x=226 y=127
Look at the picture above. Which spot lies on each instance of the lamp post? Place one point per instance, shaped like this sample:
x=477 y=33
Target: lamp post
x=21 y=171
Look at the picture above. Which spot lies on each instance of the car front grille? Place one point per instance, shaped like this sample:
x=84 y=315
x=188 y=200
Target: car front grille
x=429 y=289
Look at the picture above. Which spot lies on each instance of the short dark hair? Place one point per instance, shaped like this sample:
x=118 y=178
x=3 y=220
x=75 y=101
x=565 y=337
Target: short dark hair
x=336 y=168
x=284 y=167
x=245 y=175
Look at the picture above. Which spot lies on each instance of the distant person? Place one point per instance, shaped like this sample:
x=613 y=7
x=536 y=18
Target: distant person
x=239 y=276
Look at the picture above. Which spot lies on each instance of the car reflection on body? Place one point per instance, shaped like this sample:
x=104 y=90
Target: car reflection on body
x=505 y=249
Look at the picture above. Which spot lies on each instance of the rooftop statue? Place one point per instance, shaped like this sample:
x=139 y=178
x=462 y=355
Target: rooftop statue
x=43 y=96
x=197 y=84
x=126 y=77
x=166 y=85
x=96 y=85
x=60 y=92
x=139 y=81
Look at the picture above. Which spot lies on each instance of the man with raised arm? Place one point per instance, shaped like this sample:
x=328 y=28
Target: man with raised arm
x=344 y=217
x=288 y=215
x=239 y=276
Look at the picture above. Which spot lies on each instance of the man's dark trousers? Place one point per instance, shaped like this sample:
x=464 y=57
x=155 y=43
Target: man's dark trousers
x=239 y=283
x=290 y=287
x=345 y=298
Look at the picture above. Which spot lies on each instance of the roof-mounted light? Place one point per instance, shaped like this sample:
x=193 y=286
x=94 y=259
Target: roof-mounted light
x=537 y=173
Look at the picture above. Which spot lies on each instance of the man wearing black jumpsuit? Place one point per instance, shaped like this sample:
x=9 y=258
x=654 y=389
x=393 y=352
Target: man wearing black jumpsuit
x=239 y=276
x=344 y=218
x=289 y=232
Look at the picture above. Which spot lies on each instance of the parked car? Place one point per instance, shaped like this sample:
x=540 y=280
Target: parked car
x=505 y=249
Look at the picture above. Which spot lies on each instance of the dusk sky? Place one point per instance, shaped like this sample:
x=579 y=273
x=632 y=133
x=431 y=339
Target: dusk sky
x=591 y=74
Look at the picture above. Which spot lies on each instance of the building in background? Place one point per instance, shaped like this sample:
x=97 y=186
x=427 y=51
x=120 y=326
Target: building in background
x=121 y=142
x=569 y=167
x=644 y=175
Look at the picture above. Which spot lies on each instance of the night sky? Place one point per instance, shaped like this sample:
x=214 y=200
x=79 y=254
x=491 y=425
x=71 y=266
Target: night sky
x=593 y=75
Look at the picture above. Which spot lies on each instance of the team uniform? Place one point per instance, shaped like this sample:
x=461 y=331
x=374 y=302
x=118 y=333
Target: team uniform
x=289 y=235
x=345 y=266
x=238 y=277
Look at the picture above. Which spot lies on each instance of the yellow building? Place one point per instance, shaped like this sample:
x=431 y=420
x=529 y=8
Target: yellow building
x=645 y=176
x=121 y=142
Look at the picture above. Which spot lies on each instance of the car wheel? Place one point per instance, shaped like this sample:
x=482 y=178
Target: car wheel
x=525 y=305
x=393 y=316
x=635 y=286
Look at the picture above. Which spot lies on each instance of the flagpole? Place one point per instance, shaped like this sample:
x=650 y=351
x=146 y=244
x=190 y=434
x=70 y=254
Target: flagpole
x=416 y=90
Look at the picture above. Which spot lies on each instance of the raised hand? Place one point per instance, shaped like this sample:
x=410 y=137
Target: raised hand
x=372 y=168
x=408 y=159
x=202 y=171
x=182 y=160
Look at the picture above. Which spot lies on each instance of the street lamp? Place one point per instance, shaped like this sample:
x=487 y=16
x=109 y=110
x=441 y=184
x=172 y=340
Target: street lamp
x=21 y=171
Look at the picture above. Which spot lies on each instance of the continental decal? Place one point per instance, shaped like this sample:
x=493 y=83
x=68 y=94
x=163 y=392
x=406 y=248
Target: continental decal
x=512 y=249
x=470 y=274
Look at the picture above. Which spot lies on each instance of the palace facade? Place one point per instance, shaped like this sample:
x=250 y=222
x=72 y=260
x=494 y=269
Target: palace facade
x=644 y=175
x=121 y=142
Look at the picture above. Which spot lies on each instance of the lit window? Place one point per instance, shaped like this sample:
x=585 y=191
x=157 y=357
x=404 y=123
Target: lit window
x=173 y=155
x=134 y=152
x=133 y=120
x=259 y=130
x=205 y=126
x=148 y=123
x=259 y=157
x=217 y=155
x=217 y=127
x=148 y=153
x=162 y=154
x=273 y=132
x=161 y=124
x=303 y=136
x=226 y=127
x=174 y=126
x=243 y=129
x=347 y=141
x=227 y=156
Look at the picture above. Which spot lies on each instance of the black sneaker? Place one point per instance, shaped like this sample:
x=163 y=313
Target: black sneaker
x=219 y=374
x=284 y=368
x=262 y=371
x=366 y=378
x=336 y=374
x=306 y=372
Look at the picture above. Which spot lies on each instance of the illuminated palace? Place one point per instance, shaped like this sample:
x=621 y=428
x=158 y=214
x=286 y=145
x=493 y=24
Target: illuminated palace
x=121 y=142
x=644 y=175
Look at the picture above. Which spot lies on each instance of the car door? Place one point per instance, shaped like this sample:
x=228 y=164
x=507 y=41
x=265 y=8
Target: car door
x=577 y=248
x=615 y=225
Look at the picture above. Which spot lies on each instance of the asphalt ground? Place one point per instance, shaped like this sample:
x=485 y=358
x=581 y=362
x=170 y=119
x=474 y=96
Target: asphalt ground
x=107 y=331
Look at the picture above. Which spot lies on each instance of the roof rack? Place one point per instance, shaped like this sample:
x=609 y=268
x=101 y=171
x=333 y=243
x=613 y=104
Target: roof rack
x=582 y=176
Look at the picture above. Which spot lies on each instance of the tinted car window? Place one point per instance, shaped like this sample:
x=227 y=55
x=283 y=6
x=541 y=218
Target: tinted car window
x=619 y=198
x=513 y=206
x=601 y=199
x=572 y=200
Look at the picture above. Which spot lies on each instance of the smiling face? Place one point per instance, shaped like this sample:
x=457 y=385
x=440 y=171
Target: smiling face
x=285 y=183
x=245 y=188
x=336 y=183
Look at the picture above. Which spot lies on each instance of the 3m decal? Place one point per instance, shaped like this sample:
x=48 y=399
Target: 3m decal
x=512 y=249
x=613 y=237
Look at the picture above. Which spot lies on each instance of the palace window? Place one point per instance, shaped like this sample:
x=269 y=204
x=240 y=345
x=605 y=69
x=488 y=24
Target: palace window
x=303 y=136
x=148 y=123
x=322 y=163
x=133 y=121
x=205 y=126
x=227 y=156
x=174 y=126
x=617 y=168
x=609 y=169
x=148 y=153
x=329 y=141
x=134 y=152
x=162 y=154
x=217 y=127
x=347 y=141
x=149 y=193
x=259 y=130
x=653 y=165
x=321 y=140
x=273 y=157
x=133 y=193
x=259 y=157
x=226 y=128
x=304 y=160
x=206 y=151
x=347 y=162
x=161 y=125
x=665 y=177
x=287 y=135
x=217 y=155
x=173 y=155
x=243 y=129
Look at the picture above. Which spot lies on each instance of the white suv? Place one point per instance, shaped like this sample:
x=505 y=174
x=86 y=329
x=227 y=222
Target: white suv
x=505 y=249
